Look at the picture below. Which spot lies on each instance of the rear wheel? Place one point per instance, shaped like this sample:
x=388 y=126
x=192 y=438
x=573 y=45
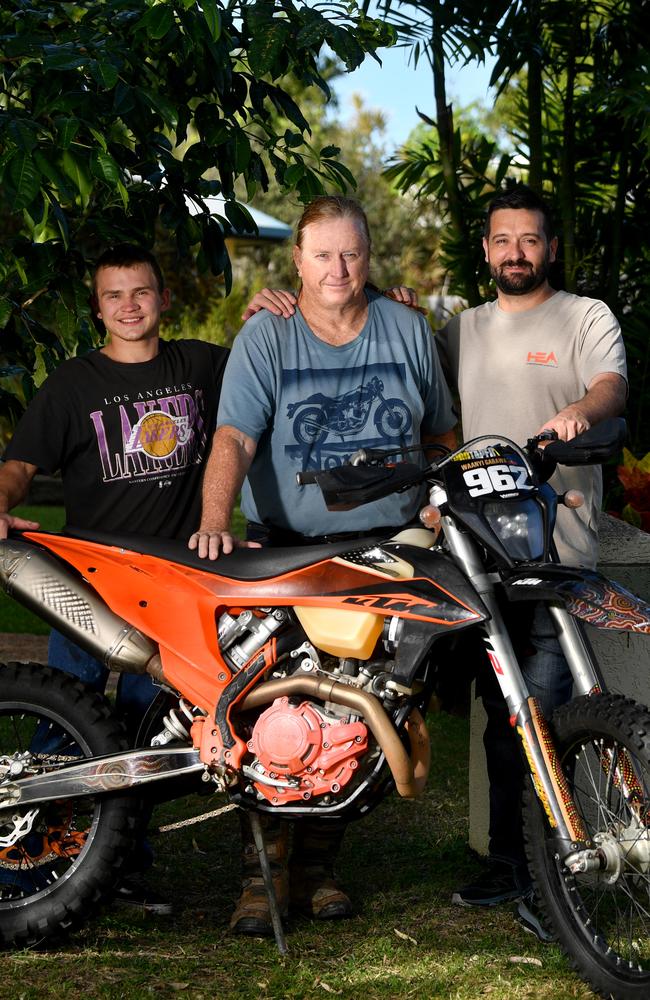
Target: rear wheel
x=602 y=917
x=58 y=859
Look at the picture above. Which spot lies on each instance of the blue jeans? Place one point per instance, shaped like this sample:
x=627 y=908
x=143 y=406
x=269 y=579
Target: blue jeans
x=548 y=678
x=135 y=692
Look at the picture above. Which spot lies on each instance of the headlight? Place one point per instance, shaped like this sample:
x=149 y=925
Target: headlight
x=518 y=526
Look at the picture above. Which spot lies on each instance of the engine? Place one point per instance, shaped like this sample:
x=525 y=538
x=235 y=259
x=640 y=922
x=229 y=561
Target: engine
x=304 y=742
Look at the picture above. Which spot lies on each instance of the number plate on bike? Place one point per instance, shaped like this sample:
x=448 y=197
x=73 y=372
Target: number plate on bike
x=489 y=473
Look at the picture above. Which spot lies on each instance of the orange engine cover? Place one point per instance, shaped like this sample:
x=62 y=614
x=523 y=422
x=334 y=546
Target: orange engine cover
x=297 y=741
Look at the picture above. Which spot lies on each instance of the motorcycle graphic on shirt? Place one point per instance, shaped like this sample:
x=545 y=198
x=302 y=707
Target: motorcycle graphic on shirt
x=320 y=415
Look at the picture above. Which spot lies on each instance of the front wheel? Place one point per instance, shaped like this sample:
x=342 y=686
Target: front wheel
x=393 y=418
x=602 y=917
x=57 y=859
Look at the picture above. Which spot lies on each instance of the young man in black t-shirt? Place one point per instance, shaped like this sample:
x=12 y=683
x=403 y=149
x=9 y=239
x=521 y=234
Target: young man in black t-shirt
x=129 y=427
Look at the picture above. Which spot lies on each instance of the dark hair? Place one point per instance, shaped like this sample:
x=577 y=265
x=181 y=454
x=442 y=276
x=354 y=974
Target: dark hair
x=128 y=255
x=521 y=196
x=329 y=206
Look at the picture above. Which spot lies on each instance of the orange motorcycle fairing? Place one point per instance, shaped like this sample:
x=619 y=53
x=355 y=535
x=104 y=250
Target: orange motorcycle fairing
x=177 y=605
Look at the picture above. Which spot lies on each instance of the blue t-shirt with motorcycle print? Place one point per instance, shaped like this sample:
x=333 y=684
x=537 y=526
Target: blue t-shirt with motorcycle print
x=310 y=405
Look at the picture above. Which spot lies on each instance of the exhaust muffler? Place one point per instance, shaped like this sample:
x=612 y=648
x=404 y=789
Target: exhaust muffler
x=42 y=583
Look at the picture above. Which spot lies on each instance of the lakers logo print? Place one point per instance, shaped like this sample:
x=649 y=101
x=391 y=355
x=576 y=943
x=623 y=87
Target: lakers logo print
x=158 y=434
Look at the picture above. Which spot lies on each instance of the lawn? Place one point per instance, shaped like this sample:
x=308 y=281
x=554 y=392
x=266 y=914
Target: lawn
x=400 y=865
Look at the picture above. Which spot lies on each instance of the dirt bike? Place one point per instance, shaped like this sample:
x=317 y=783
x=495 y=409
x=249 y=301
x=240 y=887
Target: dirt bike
x=320 y=415
x=299 y=679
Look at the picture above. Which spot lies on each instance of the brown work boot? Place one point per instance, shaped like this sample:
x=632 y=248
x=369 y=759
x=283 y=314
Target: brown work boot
x=252 y=914
x=314 y=890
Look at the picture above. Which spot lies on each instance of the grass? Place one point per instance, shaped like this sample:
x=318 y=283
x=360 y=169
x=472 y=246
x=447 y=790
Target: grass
x=407 y=942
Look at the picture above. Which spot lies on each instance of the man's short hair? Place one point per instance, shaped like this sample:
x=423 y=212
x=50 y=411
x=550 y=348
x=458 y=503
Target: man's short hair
x=128 y=255
x=521 y=196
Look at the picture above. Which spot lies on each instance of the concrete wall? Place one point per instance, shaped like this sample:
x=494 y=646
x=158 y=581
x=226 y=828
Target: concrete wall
x=624 y=657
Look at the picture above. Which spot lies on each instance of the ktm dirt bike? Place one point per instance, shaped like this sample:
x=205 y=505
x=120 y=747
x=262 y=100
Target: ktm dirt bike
x=299 y=680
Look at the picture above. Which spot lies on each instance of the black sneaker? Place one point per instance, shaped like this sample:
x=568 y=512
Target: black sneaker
x=135 y=893
x=528 y=915
x=500 y=883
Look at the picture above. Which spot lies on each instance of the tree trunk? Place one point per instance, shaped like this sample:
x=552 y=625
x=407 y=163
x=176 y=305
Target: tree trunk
x=445 y=126
x=567 y=186
x=534 y=95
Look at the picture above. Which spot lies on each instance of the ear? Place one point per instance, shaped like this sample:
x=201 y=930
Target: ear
x=552 y=249
x=297 y=257
x=485 y=247
x=165 y=299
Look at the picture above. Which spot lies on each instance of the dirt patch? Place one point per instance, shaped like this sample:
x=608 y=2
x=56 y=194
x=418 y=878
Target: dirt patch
x=23 y=647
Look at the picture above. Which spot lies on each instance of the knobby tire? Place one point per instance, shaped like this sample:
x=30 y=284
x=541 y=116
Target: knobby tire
x=603 y=744
x=55 y=876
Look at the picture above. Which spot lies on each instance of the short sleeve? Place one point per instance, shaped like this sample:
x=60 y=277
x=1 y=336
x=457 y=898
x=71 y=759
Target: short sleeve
x=601 y=344
x=41 y=434
x=248 y=391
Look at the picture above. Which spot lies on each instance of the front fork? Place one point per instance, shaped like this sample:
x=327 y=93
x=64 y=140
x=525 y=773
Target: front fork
x=526 y=715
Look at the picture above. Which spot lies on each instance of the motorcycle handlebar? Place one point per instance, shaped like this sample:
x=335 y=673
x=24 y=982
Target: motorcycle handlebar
x=306 y=478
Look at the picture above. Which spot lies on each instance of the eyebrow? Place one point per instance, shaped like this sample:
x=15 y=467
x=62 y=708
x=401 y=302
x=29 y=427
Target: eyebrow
x=533 y=232
x=113 y=291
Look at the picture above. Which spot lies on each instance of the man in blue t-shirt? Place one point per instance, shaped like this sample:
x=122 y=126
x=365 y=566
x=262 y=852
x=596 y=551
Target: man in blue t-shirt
x=349 y=369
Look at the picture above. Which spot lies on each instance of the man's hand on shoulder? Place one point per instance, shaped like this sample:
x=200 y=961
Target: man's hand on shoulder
x=8 y=522
x=407 y=296
x=209 y=544
x=278 y=302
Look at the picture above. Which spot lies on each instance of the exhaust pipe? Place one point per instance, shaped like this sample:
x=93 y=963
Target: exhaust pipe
x=47 y=587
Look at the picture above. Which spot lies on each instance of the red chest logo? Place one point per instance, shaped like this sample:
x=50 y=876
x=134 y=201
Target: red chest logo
x=542 y=358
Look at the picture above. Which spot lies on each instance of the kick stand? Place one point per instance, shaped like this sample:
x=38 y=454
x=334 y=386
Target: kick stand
x=276 y=919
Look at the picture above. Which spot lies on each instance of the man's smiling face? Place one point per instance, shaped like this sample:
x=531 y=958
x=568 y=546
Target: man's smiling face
x=518 y=251
x=130 y=303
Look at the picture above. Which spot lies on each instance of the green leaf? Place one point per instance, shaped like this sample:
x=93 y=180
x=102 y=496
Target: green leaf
x=239 y=217
x=241 y=150
x=63 y=57
x=266 y=46
x=212 y=18
x=24 y=133
x=25 y=178
x=105 y=167
x=66 y=130
x=293 y=174
x=99 y=138
x=104 y=73
x=157 y=21
x=40 y=368
x=6 y=308
x=77 y=170
x=65 y=327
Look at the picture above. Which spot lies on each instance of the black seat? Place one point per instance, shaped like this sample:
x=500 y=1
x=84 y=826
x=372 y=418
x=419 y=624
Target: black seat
x=242 y=564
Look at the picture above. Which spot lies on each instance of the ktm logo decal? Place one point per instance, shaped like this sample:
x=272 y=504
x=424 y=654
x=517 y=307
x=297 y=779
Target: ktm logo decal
x=541 y=358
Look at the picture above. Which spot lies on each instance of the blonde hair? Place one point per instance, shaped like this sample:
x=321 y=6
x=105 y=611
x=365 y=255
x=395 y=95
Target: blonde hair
x=329 y=206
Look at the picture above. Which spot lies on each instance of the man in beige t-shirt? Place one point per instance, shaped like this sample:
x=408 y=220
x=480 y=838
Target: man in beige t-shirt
x=534 y=359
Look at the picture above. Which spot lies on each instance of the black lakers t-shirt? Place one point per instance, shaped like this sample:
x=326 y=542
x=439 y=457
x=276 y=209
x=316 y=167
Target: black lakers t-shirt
x=130 y=440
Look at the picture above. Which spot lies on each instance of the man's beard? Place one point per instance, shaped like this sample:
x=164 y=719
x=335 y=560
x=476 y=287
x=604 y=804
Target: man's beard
x=519 y=284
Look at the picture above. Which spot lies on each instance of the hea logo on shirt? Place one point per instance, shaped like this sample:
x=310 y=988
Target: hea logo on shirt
x=542 y=358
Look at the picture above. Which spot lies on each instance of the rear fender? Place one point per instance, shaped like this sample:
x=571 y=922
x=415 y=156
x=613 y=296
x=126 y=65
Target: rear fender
x=586 y=595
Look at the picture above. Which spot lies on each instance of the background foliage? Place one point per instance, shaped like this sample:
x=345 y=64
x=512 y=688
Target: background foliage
x=120 y=115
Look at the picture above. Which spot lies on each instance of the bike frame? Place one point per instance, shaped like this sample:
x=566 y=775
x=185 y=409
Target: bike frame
x=526 y=715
